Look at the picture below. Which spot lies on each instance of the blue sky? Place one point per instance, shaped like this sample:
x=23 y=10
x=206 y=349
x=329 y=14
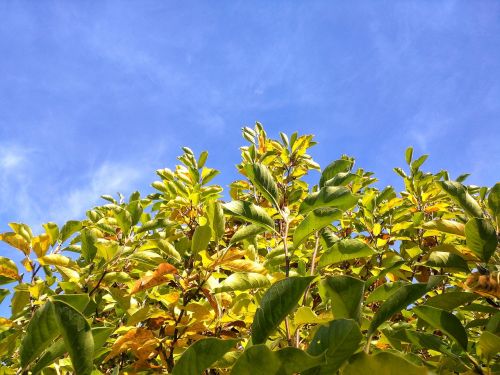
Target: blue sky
x=94 y=96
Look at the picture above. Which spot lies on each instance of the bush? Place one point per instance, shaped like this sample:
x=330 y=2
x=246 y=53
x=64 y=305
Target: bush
x=285 y=278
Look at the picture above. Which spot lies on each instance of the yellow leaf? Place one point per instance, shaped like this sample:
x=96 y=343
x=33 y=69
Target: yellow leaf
x=57 y=260
x=41 y=244
x=27 y=264
x=244 y=265
x=17 y=241
x=8 y=269
x=141 y=342
x=156 y=278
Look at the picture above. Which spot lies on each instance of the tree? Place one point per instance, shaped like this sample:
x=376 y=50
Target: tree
x=285 y=278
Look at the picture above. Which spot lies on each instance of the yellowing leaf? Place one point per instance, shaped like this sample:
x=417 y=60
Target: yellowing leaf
x=41 y=244
x=17 y=241
x=156 y=278
x=57 y=260
x=27 y=264
x=141 y=342
x=244 y=265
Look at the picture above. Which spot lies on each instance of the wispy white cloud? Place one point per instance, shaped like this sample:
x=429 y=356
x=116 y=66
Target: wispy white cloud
x=29 y=195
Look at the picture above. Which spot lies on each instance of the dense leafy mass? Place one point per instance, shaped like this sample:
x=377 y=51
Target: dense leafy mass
x=284 y=278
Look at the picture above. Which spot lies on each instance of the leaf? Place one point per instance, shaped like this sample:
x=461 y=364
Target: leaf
x=489 y=344
x=156 y=278
x=216 y=217
x=443 y=259
x=384 y=291
x=201 y=355
x=481 y=238
x=450 y=300
x=331 y=170
x=8 y=271
x=17 y=241
x=58 y=348
x=140 y=341
x=250 y=212
x=400 y=299
x=57 y=260
x=40 y=244
x=444 y=321
x=262 y=178
x=338 y=341
x=460 y=195
x=77 y=337
x=201 y=238
x=278 y=301
x=343 y=250
x=409 y=155
x=415 y=165
x=346 y=293
x=341 y=179
x=314 y=221
x=42 y=329
x=494 y=201
x=69 y=228
x=169 y=250
x=329 y=196
x=88 y=239
x=243 y=265
x=242 y=281
x=445 y=226
x=53 y=231
x=246 y=232
x=259 y=359
x=106 y=249
x=77 y=301
x=382 y=363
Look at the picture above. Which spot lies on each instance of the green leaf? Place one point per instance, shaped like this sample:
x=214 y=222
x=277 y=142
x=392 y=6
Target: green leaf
x=384 y=291
x=338 y=341
x=78 y=301
x=444 y=321
x=69 y=228
x=263 y=180
x=346 y=293
x=246 y=232
x=409 y=155
x=249 y=212
x=443 y=259
x=451 y=300
x=314 y=221
x=279 y=301
x=169 y=250
x=259 y=359
x=53 y=231
x=242 y=281
x=329 y=196
x=341 y=179
x=415 y=165
x=88 y=240
x=58 y=348
x=77 y=337
x=481 y=238
x=460 y=195
x=338 y=166
x=216 y=217
x=494 y=201
x=382 y=363
x=400 y=299
x=445 y=226
x=489 y=344
x=345 y=249
x=201 y=355
x=41 y=331
x=201 y=238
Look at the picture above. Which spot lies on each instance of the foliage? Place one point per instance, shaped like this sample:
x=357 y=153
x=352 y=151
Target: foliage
x=284 y=278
